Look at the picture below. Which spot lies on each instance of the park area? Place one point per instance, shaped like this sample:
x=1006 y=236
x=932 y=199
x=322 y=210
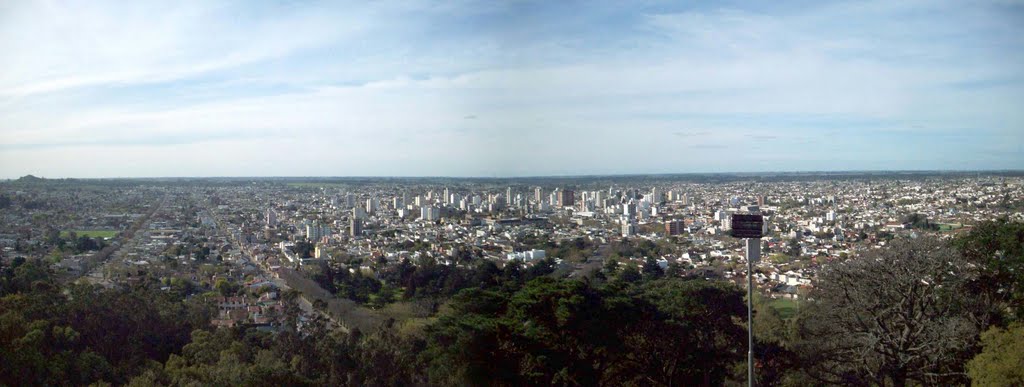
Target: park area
x=106 y=234
x=786 y=307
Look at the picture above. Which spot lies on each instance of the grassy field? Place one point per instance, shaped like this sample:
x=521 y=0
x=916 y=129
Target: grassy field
x=949 y=226
x=786 y=307
x=409 y=319
x=90 y=233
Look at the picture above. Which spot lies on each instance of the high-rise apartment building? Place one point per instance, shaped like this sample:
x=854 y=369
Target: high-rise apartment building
x=430 y=213
x=566 y=198
x=355 y=228
x=628 y=228
x=271 y=218
x=315 y=231
x=674 y=227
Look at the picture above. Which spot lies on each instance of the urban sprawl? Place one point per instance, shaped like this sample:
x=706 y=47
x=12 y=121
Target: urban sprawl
x=215 y=237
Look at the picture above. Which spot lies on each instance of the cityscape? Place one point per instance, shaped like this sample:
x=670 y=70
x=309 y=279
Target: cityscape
x=512 y=193
x=307 y=255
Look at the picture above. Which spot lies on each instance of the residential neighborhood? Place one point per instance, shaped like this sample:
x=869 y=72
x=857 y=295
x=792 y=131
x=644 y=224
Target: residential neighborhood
x=247 y=241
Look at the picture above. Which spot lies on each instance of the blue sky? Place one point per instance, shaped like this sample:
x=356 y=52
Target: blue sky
x=507 y=88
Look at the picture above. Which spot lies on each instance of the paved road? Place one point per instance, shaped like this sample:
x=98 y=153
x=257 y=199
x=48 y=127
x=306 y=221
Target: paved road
x=96 y=261
x=309 y=291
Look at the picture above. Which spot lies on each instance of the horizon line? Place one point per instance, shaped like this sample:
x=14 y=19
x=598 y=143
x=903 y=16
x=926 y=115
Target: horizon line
x=553 y=176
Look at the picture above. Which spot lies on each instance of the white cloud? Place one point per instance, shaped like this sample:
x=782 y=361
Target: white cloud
x=97 y=43
x=346 y=90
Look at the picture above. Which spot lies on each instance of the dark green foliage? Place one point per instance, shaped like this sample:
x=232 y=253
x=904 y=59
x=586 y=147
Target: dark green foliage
x=567 y=332
x=998 y=250
x=74 y=243
x=465 y=255
x=22 y=274
x=227 y=288
x=304 y=249
x=324 y=276
x=229 y=357
x=611 y=267
x=525 y=325
x=430 y=280
x=639 y=248
x=675 y=270
x=79 y=334
x=629 y=273
x=84 y=243
x=920 y=221
x=573 y=250
x=776 y=363
x=541 y=268
x=793 y=248
x=651 y=270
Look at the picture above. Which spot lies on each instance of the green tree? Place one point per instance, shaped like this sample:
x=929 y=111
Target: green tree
x=290 y=298
x=468 y=344
x=793 y=247
x=630 y=273
x=768 y=322
x=540 y=268
x=998 y=249
x=675 y=270
x=651 y=269
x=226 y=288
x=610 y=268
x=919 y=221
x=55 y=334
x=999 y=363
x=559 y=320
x=568 y=332
x=683 y=333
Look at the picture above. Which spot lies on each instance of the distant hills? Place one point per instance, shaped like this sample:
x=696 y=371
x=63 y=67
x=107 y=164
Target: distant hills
x=29 y=179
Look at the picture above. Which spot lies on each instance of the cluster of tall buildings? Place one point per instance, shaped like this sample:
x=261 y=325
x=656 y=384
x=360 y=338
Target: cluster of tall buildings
x=630 y=206
x=430 y=213
x=316 y=231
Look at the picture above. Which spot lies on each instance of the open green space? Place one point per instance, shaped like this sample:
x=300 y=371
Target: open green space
x=90 y=233
x=950 y=226
x=787 y=308
x=410 y=318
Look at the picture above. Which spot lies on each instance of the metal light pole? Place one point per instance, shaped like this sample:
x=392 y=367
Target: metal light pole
x=753 y=253
x=750 y=228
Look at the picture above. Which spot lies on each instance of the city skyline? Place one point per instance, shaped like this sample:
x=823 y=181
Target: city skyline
x=108 y=89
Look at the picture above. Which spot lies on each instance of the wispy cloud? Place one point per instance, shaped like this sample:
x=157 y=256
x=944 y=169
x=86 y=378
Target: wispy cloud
x=393 y=88
x=686 y=134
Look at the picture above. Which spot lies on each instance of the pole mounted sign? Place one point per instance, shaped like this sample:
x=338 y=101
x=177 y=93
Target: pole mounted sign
x=750 y=228
x=747 y=226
